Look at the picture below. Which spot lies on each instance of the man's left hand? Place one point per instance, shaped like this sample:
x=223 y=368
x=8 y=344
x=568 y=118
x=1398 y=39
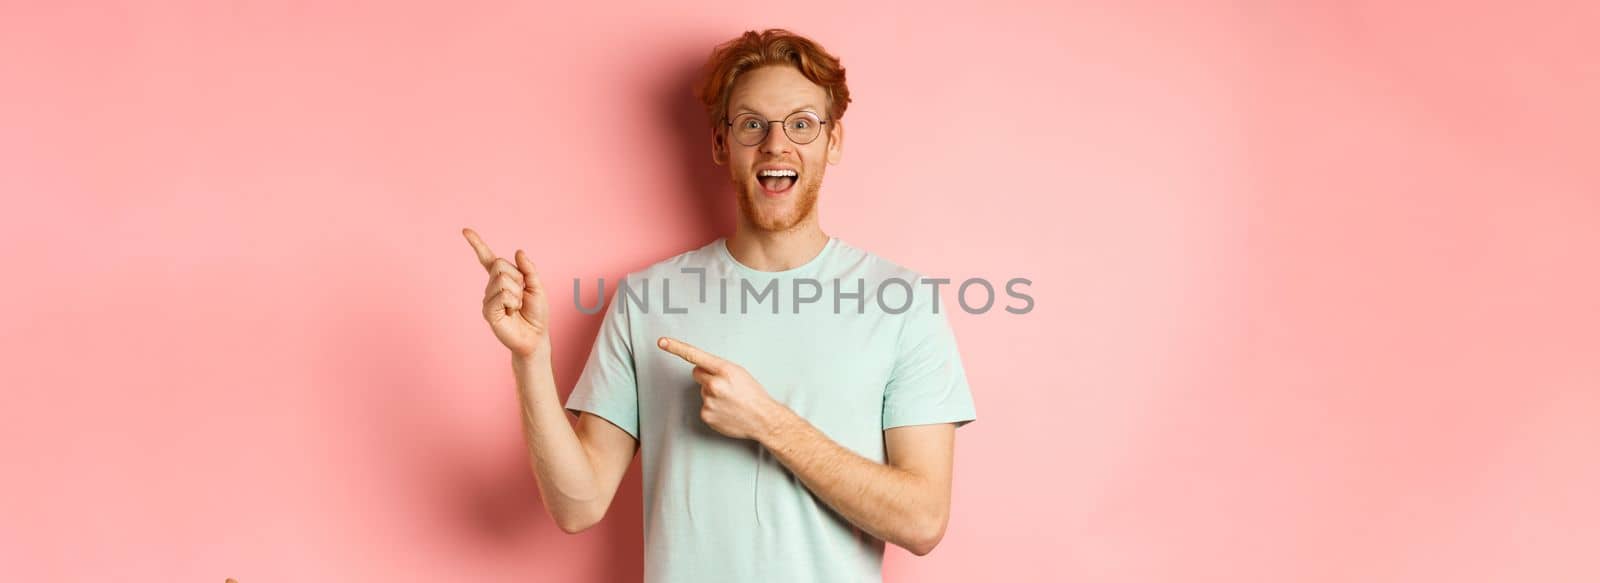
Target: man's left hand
x=733 y=403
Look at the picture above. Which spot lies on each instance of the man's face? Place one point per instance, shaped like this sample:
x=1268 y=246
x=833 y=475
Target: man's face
x=772 y=93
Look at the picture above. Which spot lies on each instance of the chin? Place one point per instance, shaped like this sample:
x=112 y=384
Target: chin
x=779 y=215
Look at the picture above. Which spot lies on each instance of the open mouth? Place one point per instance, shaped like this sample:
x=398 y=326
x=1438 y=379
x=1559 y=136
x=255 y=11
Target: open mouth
x=777 y=182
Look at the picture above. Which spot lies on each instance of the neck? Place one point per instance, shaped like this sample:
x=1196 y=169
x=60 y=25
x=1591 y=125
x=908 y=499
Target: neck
x=765 y=250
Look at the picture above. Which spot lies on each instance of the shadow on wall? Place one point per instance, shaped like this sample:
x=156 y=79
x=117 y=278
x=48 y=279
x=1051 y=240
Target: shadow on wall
x=705 y=187
x=494 y=506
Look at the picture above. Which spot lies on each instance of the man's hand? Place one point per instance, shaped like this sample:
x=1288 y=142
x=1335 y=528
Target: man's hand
x=905 y=501
x=514 y=302
x=734 y=404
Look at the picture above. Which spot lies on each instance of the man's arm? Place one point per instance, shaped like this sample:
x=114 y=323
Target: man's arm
x=905 y=502
x=577 y=471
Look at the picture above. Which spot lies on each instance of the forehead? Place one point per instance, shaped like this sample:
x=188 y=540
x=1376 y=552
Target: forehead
x=775 y=90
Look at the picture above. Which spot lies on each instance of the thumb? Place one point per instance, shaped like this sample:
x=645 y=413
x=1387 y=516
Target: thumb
x=525 y=265
x=530 y=275
x=533 y=303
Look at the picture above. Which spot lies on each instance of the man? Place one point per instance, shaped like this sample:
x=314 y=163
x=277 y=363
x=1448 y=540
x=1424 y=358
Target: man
x=778 y=444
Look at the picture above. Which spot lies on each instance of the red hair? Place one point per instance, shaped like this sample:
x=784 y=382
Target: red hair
x=774 y=46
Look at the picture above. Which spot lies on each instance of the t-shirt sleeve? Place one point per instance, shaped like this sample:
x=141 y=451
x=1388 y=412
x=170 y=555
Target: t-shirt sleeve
x=607 y=386
x=928 y=383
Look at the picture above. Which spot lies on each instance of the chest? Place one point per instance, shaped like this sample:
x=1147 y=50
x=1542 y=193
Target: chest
x=830 y=371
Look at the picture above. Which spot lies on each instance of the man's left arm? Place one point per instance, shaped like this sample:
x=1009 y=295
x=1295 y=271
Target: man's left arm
x=905 y=501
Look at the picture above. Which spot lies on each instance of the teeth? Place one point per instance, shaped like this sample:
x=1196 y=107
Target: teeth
x=789 y=173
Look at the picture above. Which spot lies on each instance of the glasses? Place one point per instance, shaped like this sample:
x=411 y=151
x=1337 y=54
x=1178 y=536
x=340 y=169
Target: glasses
x=802 y=127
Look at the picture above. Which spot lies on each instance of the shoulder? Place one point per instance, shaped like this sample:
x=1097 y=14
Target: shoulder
x=673 y=266
x=877 y=267
x=889 y=279
x=855 y=260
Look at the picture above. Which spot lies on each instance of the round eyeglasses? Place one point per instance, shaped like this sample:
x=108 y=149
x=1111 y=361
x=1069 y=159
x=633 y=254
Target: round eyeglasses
x=750 y=129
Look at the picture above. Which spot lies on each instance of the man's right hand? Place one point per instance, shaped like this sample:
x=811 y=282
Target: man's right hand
x=514 y=303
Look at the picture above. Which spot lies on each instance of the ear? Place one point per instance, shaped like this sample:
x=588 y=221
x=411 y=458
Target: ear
x=835 y=141
x=719 y=150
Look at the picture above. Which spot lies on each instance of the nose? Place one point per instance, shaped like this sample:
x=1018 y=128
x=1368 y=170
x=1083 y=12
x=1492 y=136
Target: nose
x=777 y=141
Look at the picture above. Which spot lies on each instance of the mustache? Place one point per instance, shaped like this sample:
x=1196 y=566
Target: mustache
x=759 y=163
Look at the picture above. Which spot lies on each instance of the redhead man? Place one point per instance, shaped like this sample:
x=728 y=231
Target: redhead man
x=784 y=436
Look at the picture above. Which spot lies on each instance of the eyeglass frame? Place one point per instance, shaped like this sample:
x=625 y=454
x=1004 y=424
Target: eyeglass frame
x=785 y=125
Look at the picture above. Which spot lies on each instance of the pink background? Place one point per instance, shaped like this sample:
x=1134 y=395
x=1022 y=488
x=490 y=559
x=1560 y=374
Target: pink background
x=1316 y=284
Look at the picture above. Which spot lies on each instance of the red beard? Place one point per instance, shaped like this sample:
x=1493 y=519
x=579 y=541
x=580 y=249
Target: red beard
x=781 y=216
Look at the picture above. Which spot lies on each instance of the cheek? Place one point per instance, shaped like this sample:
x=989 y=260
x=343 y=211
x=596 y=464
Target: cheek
x=817 y=156
x=816 y=163
x=740 y=165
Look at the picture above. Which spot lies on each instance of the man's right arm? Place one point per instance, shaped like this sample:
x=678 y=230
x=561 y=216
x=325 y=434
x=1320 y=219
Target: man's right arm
x=577 y=470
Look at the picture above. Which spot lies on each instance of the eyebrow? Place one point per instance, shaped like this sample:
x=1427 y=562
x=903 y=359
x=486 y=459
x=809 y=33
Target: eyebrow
x=746 y=108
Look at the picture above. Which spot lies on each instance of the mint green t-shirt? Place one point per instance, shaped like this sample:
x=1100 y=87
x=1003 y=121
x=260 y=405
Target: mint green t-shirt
x=837 y=340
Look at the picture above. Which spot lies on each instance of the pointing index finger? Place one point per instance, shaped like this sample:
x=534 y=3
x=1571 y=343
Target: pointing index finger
x=690 y=353
x=485 y=256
